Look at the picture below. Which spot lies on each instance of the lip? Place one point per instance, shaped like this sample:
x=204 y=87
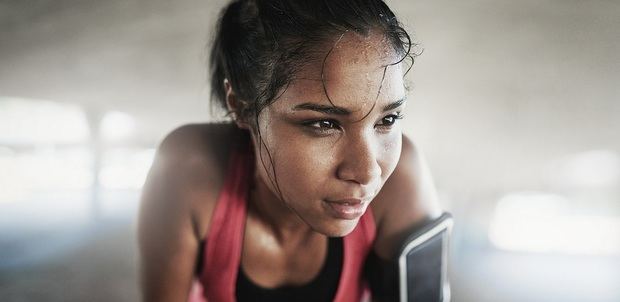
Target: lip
x=348 y=209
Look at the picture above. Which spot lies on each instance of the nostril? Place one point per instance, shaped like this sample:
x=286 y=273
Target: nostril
x=361 y=172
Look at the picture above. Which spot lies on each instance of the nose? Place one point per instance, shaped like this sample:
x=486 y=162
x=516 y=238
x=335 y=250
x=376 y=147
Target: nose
x=359 y=161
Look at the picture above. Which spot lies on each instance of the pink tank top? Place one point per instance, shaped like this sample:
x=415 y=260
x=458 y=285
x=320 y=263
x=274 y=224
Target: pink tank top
x=222 y=256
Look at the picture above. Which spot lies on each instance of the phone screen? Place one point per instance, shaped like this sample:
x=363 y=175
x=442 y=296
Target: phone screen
x=424 y=270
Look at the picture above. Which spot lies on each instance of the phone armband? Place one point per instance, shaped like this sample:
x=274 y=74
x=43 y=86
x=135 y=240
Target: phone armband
x=419 y=272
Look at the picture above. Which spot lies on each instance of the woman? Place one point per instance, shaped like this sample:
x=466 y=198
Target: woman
x=312 y=178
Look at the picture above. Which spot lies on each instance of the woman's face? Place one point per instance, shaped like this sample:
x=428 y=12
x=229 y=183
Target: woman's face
x=330 y=162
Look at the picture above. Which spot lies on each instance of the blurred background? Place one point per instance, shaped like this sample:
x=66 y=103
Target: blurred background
x=515 y=104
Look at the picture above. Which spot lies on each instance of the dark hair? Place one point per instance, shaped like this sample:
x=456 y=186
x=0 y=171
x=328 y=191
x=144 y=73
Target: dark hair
x=260 y=44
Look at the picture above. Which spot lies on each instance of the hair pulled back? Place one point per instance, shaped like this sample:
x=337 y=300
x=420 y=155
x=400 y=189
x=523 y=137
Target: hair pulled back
x=259 y=45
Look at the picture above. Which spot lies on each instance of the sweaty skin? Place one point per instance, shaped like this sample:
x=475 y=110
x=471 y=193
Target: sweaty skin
x=321 y=155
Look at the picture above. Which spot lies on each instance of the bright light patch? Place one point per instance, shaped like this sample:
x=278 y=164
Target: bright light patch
x=11 y=189
x=542 y=222
x=126 y=168
x=117 y=126
x=31 y=122
x=44 y=170
x=596 y=168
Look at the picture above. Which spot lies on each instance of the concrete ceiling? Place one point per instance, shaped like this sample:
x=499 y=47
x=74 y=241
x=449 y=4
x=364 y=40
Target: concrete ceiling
x=146 y=58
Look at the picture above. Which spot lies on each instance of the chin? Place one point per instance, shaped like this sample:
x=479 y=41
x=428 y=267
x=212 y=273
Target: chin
x=338 y=228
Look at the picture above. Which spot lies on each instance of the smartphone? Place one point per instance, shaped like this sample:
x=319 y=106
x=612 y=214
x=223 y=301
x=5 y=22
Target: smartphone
x=423 y=263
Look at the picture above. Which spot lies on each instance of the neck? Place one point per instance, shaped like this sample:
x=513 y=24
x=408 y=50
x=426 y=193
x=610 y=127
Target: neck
x=273 y=212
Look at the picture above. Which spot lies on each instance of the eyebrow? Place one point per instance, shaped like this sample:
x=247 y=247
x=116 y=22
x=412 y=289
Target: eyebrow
x=335 y=110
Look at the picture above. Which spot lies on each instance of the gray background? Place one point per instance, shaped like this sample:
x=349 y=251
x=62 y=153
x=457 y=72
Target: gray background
x=503 y=90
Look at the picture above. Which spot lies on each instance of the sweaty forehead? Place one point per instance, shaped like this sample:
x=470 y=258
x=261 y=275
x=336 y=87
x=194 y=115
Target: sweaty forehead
x=350 y=51
x=355 y=50
x=351 y=72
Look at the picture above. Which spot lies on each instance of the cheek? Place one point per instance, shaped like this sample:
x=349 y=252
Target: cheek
x=302 y=164
x=390 y=154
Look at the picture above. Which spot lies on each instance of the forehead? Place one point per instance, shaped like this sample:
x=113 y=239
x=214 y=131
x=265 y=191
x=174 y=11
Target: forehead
x=351 y=72
x=355 y=51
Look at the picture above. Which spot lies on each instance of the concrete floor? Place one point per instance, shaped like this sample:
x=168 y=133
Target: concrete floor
x=102 y=268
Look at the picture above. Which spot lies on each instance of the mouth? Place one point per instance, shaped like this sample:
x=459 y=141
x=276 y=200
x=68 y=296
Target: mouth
x=347 y=209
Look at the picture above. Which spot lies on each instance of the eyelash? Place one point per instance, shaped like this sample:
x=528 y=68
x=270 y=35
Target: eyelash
x=396 y=116
x=334 y=124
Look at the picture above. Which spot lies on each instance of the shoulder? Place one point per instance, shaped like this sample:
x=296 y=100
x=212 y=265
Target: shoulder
x=188 y=171
x=176 y=204
x=193 y=156
x=197 y=150
x=407 y=198
x=197 y=142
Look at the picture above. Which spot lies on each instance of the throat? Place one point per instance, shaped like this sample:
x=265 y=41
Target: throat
x=272 y=213
x=270 y=265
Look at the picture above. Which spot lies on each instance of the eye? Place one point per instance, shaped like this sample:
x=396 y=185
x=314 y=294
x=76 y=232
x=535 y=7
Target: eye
x=322 y=126
x=390 y=120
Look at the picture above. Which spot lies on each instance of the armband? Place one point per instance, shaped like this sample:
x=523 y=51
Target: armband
x=419 y=272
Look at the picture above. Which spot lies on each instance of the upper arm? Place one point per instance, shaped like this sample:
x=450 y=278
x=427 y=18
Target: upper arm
x=168 y=227
x=406 y=199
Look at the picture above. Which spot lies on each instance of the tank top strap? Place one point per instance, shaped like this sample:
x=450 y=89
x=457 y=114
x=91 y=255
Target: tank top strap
x=225 y=237
x=357 y=245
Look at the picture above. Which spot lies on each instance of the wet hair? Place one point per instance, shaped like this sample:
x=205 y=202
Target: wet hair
x=259 y=45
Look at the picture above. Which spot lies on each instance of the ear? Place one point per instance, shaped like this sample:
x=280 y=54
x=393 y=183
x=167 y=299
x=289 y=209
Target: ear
x=234 y=105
